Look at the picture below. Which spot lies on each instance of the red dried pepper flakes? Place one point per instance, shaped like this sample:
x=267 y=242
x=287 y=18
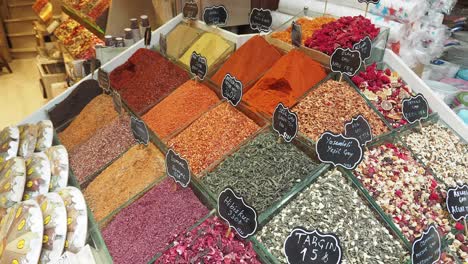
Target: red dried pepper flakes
x=146 y=78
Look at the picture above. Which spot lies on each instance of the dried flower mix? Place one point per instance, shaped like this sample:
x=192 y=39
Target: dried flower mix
x=45 y=134
x=37 y=175
x=180 y=108
x=330 y=106
x=308 y=27
x=125 y=178
x=208 y=243
x=288 y=79
x=212 y=136
x=262 y=171
x=344 y=33
x=98 y=113
x=386 y=91
x=145 y=79
x=103 y=147
x=332 y=205
x=9 y=143
x=59 y=167
x=180 y=38
x=12 y=181
x=77 y=218
x=27 y=140
x=148 y=225
x=441 y=150
x=249 y=62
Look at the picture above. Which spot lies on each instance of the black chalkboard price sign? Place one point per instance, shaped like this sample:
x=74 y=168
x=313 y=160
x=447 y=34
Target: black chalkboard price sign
x=426 y=249
x=369 y=1
x=103 y=80
x=190 y=10
x=364 y=47
x=215 y=15
x=177 y=168
x=457 y=202
x=117 y=100
x=296 y=34
x=339 y=150
x=198 y=65
x=345 y=61
x=285 y=122
x=139 y=130
x=148 y=36
x=163 y=44
x=415 y=108
x=231 y=89
x=261 y=20
x=359 y=129
x=238 y=214
x=312 y=247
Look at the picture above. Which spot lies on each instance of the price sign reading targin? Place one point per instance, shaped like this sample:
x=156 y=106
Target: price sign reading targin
x=305 y=247
x=285 y=122
x=231 y=89
x=415 y=108
x=364 y=47
x=339 y=150
x=369 y=1
x=359 y=129
x=296 y=34
x=345 y=61
x=177 y=168
x=215 y=15
x=190 y=10
x=426 y=249
x=198 y=65
x=117 y=100
x=457 y=202
x=239 y=215
x=139 y=130
x=103 y=79
x=261 y=20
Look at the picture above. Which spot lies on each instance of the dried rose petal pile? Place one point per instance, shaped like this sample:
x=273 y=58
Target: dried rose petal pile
x=385 y=90
x=210 y=243
x=344 y=33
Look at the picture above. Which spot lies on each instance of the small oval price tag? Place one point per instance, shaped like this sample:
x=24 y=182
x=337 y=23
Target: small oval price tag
x=426 y=249
x=190 y=10
x=359 y=129
x=261 y=19
x=285 y=122
x=231 y=89
x=457 y=202
x=177 y=168
x=215 y=15
x=198 y=65
x=103 y=80
x=339 y=150
x=239 y=215
x=312 y=247
x=364 y=47
x=296 y=34
x=139 y=130
x=345 y=61
x=415 y=108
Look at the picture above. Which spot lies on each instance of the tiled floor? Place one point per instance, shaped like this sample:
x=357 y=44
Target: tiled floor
x=20 y=92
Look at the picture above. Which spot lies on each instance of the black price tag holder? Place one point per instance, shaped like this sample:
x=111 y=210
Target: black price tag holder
x=427 y=248
x=215 y=15
x=296 y=34
x=190 y=10
x=117 y=100
x=364 y=47
x=457 y=203
x=139 y=130
x=198 y=66
x=345 y=61
x=339 y=150
x=360 y=129
x=178 y=168
x=103 y=80
x=367 y=4
x=415 y=109
x=261 y=20
x=285 y=122
x=232 y=89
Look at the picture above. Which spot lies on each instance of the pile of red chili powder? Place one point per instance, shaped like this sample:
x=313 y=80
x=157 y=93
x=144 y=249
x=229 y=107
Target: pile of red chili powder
x=145 y=79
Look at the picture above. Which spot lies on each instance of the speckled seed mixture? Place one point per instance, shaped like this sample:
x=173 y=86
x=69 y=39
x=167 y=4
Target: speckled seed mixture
x=332 y=205
x=126 y=177
x=443 y=151
x=213 y=135
x=148 y=225
x=262 y=171
x=106 y=145
x=332 y=104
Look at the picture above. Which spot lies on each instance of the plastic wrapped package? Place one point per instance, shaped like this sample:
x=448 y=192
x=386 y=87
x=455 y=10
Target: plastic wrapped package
x=459 y=83
x=439 y=69
x=457 y=54
x=28 y=138
x=400 y=10
x=9 y=143
x=444 y=6
x=12 y=181
x=37 y=175
x=445 y=92
x=59 y=167
x=45 y=134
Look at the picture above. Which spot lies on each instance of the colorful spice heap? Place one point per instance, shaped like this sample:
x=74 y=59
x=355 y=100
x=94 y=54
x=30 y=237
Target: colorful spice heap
x=145 y=79
x=180 y=38
x=122 y=180
x=442 y=151
x=262 y=171
x=212 y=136
x=208 y=243
x=251 y=60
x=308 y=27
x=404 y=190
x=288 y=79
x=209 y=45
x=332 y=205
x=98 y=113
x=148 y=225
x=385 y=90
x=329 y=106
x=344 y=33
x=103 y=147
x=180 y=108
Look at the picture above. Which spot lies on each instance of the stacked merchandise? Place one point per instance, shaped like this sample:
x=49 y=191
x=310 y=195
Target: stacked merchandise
x=91 y=8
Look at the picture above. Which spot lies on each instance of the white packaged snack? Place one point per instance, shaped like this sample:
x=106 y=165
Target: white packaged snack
x=37 y=175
